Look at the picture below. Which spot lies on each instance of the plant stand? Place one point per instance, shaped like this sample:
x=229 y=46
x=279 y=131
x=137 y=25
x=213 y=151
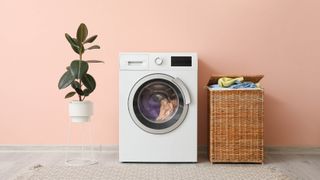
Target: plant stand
x=80 y=150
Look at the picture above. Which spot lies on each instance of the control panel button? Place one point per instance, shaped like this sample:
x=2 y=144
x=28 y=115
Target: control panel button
x=158 y=61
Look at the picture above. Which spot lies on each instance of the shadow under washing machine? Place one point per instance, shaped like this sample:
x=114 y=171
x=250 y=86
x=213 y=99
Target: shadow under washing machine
x=158 y=95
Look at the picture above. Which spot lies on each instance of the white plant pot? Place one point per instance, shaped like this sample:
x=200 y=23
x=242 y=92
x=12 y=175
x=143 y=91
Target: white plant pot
x=80 y=111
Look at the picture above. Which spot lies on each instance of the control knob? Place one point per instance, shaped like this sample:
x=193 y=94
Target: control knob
x=158 y=61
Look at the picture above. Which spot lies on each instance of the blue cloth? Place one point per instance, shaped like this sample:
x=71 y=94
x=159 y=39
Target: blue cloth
x=243 y=85
x=214 y=86
x=237 y=85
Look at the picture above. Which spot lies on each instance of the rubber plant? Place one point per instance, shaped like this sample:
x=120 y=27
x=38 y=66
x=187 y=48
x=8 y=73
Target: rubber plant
x=76 y=74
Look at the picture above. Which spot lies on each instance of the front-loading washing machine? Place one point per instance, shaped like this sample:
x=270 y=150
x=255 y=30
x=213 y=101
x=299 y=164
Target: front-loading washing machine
x=158 y=95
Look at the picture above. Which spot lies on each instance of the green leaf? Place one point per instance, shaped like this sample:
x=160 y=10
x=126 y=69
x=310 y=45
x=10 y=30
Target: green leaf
x=82 y=32
x=86 y=92
x=81 y=49
x=94 y=47
x=75 y=49
x=66 y=80
x=79 y=68
x=79 y=91
x=75 y=85
x=94 y=61
x=71 y=40
x=89 y=82
x=90 y=39
x=70 y=94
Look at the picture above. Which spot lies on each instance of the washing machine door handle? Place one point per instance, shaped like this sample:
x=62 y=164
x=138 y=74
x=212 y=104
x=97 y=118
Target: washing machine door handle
x=183 y=88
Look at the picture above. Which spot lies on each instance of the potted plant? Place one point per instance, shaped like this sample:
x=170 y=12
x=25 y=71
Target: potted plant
x=77 y=76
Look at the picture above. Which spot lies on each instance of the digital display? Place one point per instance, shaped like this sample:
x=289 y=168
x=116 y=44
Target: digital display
x=181 y=61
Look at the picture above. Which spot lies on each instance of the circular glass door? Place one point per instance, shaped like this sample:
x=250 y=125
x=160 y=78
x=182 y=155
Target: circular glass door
x=157 y=104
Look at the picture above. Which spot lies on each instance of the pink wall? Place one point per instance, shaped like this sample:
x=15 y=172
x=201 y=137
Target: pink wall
x=277 y=38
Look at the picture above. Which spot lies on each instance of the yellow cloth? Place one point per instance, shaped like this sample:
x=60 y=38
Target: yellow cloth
x=227 y=82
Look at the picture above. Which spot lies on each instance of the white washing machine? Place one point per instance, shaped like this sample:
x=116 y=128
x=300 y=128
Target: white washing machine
x=158 y=107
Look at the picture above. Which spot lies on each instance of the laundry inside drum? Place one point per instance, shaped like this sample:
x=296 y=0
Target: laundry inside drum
x=158 y=102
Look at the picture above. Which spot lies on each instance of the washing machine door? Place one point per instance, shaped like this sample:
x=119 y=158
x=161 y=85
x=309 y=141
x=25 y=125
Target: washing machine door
x=158 y=103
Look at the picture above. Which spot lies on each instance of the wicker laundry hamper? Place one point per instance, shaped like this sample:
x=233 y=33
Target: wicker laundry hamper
x=235 y=123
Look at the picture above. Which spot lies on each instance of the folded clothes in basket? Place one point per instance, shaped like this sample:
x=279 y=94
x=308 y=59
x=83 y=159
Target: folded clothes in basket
x=227 y=82
x=233 y=83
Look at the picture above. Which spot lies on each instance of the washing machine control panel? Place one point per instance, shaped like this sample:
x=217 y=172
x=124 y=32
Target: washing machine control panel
x=166 y=61
x=158 y=61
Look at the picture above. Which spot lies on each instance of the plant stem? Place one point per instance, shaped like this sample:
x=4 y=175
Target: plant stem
x=80 y=79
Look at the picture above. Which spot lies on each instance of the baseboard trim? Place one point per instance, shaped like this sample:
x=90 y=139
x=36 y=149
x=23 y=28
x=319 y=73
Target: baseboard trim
x=292 y=150
x=202 y=149
x=54 y=148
